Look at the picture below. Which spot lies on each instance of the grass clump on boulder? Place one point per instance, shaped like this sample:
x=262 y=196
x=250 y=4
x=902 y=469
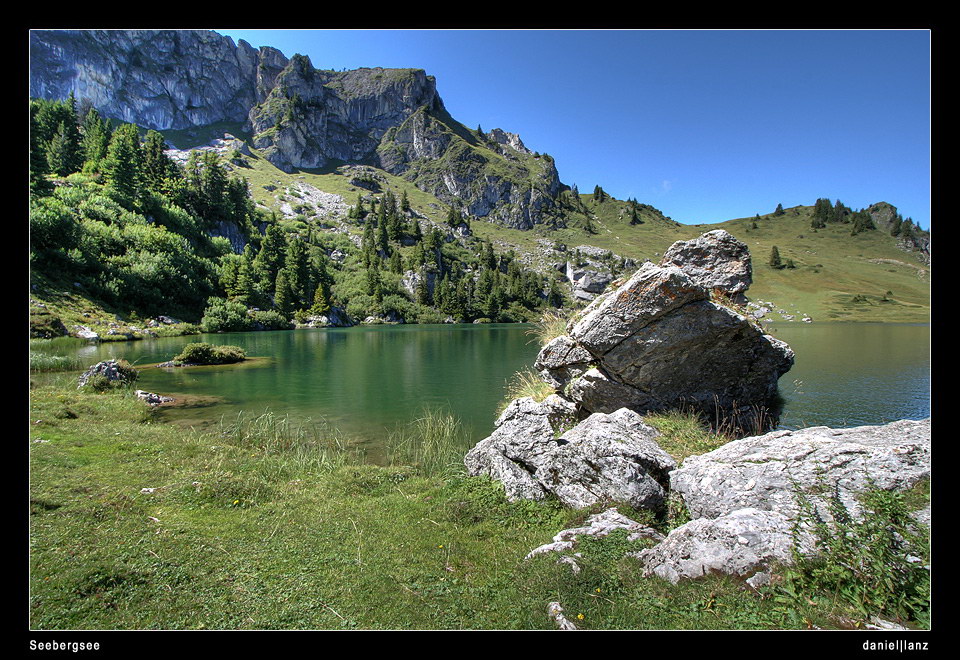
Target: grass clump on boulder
x=204 y=353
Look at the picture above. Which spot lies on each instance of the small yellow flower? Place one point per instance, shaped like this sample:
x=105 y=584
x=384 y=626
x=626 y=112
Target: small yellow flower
x=598 y=589
x=440 y=546
x=236 y=501
x=580 y=616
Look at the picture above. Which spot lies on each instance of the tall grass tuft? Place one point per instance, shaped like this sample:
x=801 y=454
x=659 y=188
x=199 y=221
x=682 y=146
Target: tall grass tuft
x=551 y=325
x=434 y=443
x=303 y=444
x=44 y=362
x=685 y=433
x=525 y=383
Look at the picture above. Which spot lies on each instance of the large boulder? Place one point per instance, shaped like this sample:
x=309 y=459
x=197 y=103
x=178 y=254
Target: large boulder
x=716 y=260
x=744 y=496
x=108 y=373
x=740 y=543
x=659 y=342
x=766 y=472
x=603 y=458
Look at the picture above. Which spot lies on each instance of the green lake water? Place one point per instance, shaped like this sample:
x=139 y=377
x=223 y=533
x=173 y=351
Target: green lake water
x=367 y=381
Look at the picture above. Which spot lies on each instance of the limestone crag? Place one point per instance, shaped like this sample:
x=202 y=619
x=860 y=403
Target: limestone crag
x=764 y=472
x=299 y=116
x=662 y=341
x=159 y=79
x=604 y=457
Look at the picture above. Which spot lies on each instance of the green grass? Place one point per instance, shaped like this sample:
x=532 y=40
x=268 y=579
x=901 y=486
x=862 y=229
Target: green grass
x=268 y=524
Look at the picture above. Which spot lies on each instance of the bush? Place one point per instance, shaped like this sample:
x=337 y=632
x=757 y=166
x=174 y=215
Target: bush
x=204 y=353
x=269 y=320
x=877 y=563
x=223 y=315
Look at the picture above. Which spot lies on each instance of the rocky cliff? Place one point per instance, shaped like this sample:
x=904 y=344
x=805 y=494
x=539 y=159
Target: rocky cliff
x=299 y=116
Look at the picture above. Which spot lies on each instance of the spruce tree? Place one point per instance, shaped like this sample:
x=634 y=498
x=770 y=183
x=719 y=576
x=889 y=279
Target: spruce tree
x=775 y=261
x=122 y=167
x=282 y=295
x=779 y=210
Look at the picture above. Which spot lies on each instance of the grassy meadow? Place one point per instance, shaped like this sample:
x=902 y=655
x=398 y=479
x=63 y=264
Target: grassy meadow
x=264 y=524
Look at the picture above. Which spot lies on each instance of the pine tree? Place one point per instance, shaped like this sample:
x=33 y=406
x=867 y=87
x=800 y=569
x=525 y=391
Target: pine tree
x=64 y=153
x=298 y=273
x=283 y=299
x=404 y=202
x=122 y=167
x=157 y=166
x=38 y=157
x=775 y=261
x=96 y=137
x=272 y=256
x=779 y=210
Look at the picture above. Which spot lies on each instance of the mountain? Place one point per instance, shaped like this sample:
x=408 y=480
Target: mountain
x=300 y=117
x=392 y=198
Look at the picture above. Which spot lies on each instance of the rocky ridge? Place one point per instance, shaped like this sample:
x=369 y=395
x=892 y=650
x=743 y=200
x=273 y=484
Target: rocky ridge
x=299 y=116
x=588 y=444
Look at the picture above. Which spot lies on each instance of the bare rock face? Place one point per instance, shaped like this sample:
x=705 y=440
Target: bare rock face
x=739 y=543
x=764 y=472
x=743 y=496
x=659 y=342
x=716 y=260
x=605 y=457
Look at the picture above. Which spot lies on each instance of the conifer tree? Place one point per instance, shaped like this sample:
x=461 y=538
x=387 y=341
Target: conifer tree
x=122 y=167
x=779 y=210
x=775 y=261
x=283 y=299
x=95 y=139
x=272 y=256
x=298 y=273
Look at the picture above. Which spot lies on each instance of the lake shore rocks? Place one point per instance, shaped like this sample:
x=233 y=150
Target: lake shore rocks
x=673 y=337
x=668 y=338
x=107 y=373
x=765 y=472
x=744 y=496
x=602 y=458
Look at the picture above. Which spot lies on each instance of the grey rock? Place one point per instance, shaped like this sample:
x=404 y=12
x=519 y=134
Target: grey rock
x=658 y=342
x=603 y=458
x=597 y=526
x=112 y=370
x=740 y=543
x=336 y=317
x=562 y=359
x=715 y=260
x=152 y=398
x=83 y=332
x=763 y=472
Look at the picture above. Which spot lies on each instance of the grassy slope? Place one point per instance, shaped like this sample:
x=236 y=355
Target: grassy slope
x=832 y=266
x=244 y=534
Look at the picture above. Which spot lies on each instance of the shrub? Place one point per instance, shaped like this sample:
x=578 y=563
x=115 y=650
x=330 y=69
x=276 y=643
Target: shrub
x=204 y=353
x=875 y=563
x=269 y=320
x=223 y=315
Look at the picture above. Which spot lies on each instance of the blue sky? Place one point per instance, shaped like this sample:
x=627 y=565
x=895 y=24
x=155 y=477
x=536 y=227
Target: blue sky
x=705 y=125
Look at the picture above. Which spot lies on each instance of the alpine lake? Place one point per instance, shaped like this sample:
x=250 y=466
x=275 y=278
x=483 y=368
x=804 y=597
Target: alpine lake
x=369 y=381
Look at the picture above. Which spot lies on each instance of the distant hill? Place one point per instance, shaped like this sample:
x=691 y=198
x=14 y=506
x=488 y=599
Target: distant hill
x=328 y=158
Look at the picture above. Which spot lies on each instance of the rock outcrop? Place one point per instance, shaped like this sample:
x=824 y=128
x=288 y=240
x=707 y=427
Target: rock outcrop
x=658 y=342
x=603 y=458
x=744 y=497
x=108 y=373
x=299 y=116
x=739 y=543
x=765 y=472
x=663 y=340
